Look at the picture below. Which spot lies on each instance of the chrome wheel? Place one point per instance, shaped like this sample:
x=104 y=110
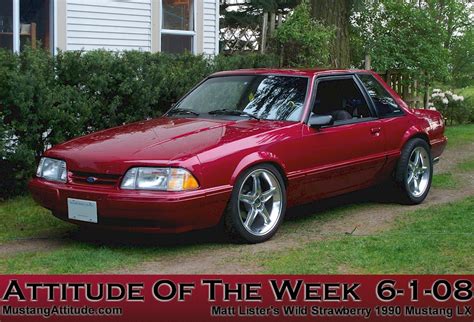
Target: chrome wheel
x=260 y=202
x=418 y=174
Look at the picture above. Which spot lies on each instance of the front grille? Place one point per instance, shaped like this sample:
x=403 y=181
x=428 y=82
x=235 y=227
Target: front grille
x=101 y=179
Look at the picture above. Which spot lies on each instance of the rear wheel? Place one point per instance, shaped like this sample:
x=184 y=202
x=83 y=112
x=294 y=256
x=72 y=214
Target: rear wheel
x=414 y=171
x=257 y=205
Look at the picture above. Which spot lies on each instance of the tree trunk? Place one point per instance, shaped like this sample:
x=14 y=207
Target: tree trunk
x=336 y=13
x=264 y=32
x=367 y=62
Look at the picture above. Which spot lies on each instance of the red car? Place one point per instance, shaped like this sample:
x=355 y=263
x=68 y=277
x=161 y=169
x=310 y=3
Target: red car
x=240 y=148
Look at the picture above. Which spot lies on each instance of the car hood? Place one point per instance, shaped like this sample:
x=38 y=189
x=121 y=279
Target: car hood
x=159 y=141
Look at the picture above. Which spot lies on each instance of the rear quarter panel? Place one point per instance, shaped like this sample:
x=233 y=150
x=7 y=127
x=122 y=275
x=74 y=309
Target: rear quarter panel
x=423 y=123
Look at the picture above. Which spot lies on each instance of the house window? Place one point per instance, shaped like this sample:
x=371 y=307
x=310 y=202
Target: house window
x=26 y=22
x=177 y=26
x=6 y=24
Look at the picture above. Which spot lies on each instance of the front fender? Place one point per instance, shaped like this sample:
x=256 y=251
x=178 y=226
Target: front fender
x=256 y=158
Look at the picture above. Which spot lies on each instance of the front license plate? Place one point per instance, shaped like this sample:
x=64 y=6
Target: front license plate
x=82 y=210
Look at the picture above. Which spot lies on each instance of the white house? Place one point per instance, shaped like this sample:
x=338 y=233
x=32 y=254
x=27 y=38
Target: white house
x=171 y=26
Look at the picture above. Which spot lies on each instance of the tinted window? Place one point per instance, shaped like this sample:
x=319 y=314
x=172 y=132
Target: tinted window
x=176 y=44
x=342 y=99
x=268 y=97
x=384 y=103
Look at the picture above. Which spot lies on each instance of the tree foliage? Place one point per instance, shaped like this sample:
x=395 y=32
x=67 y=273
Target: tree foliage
x=400 y=35
x=462 y=59
x=452 y=16
x=302 y=41
x=249 y=14
x=416 y=37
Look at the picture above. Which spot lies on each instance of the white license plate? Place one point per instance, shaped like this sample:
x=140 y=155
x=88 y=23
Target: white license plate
x=82 y=210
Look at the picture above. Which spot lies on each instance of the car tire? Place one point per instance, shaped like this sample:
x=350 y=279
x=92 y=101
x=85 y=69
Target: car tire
x=414 y=171
x=257 y=205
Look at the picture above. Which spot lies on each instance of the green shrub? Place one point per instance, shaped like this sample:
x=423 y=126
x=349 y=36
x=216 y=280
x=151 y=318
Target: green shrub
x=456 y=108
x=468 y=93
x=45 y=100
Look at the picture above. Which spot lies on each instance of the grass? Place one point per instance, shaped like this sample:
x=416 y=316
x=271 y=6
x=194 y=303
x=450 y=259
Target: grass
x=21 y=218
x=445 y=181
x=467 y=92
x=298 y=218
x=466 y=166
x=460 y=134
x=437 y=240
x=77 y=258
x=80 y=257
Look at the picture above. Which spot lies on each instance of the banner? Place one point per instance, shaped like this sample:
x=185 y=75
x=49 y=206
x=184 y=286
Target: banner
x=236 y=298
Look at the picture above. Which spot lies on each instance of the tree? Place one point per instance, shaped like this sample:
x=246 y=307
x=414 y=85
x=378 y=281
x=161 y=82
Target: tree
x=403 y=36
x=249 y=14
x=462 y=59
x=265 y=5
x=456 y=20
x=302 y=41
x=451 y=15
x=336 y=14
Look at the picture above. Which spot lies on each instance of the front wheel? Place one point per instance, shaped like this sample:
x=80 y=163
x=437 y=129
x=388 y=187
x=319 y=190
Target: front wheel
x=257 y=205
x=415 y=171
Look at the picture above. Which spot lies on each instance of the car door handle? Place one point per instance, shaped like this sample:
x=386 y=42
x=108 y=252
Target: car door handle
x=375 y=131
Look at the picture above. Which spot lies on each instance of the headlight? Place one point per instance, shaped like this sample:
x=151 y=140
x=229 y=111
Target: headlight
x=169 y=179
x=52 y=169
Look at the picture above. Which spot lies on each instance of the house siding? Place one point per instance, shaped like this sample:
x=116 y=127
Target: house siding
x=128 y=25
x=210 y=25
x=108 y=24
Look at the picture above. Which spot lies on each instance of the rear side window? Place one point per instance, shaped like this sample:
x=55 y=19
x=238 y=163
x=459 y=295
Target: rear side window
x=384 y=102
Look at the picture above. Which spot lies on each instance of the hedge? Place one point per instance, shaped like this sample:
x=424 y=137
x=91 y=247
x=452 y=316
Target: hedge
x=45 y=100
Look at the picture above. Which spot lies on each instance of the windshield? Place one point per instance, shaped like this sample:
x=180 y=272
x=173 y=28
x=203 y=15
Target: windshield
x=269 y=97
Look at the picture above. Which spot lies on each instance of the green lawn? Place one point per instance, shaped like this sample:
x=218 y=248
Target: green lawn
x=467 y=92
x=72 y=258
x=460 y=134
x=21 y=217
x=437 y=240
x=444 y=181
x=76 y=257
x=467 y=165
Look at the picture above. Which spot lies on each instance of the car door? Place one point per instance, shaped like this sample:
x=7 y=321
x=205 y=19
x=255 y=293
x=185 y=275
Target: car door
x=392 y=116
x=348 y=154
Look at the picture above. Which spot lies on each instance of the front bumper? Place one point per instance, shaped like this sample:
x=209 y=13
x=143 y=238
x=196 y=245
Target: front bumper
x=146 y=211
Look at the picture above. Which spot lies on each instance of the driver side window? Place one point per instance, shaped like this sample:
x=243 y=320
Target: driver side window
x=342 y=99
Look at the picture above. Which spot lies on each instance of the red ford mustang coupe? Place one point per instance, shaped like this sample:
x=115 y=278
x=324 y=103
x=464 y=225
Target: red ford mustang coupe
x=240 y=148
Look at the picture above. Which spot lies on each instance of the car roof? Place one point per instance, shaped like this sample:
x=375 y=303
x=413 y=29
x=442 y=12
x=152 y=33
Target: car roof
x=291 y=72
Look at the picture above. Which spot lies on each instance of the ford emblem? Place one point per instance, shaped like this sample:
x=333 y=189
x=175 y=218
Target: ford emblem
x=91 y=179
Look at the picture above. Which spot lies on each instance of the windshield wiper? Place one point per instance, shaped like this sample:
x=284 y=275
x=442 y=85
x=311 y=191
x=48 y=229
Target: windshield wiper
x=182 y=111
x=225 y=111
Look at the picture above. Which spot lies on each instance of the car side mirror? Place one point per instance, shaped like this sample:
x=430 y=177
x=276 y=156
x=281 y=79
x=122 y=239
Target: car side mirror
x=318 y=121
